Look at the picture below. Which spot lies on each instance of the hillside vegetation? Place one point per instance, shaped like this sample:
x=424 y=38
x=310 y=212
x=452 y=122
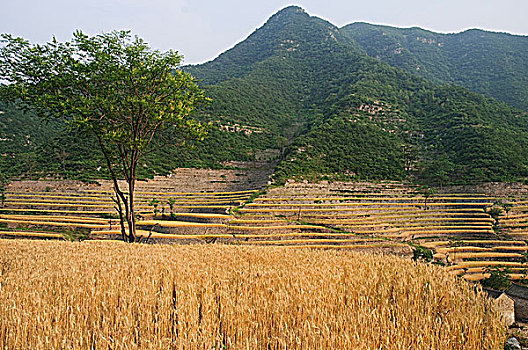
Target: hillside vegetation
x=34 y=148
x=493 y=64
x=335 y=103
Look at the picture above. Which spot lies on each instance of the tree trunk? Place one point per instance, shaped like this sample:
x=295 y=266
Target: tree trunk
x=119 y=209
x=127 y=217
x=121 y=199
x=131 y=214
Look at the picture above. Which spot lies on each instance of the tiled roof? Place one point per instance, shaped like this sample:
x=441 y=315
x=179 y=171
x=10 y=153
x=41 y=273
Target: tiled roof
x=492 y=293
x=518 y=291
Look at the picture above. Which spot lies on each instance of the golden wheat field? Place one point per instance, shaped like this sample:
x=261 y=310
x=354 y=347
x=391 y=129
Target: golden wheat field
x=111 y=295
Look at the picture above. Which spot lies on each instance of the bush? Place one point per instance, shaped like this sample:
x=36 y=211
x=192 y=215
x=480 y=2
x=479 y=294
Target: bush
x=421 y=253
x=498 y=279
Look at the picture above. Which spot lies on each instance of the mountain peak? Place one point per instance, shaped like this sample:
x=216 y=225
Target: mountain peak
x=289 y=31
x=292 y=9
x=288 y=12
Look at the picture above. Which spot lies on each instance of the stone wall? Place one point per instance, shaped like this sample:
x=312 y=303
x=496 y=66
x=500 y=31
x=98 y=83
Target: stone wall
x=521 y=309
x=506 y=306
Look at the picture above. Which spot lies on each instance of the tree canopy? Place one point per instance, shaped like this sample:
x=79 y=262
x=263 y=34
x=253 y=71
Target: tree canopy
x=113 y=86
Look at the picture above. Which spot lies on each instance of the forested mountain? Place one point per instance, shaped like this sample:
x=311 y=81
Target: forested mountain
x=363 y=118
x=493 y=64
x=31 y=147
x=336 y=104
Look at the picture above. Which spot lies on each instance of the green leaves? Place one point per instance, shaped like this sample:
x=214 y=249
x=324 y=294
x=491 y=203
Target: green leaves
x=112 y=85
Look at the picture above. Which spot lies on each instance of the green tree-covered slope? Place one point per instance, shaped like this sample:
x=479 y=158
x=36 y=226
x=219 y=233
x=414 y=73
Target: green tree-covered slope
x=493 y=64
x=363 y=118
x=313 y=91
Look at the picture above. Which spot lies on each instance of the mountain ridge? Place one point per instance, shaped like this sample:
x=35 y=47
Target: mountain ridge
x=341 y=70
x=491 y=63
x=433 y=31
x=261 y=42
x=322 y=100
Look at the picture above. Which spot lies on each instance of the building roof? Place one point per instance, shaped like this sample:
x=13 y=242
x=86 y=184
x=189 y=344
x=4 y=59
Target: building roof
x=516 y=290
x=492 y=293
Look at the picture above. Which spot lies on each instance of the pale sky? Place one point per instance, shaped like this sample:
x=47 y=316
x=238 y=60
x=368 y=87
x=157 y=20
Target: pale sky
x=202 y=29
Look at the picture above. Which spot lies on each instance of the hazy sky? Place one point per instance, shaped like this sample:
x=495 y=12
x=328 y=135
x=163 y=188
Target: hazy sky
x=201 y=29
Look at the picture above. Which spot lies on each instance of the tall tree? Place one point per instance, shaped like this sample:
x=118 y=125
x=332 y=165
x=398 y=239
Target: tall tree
x=131 y=98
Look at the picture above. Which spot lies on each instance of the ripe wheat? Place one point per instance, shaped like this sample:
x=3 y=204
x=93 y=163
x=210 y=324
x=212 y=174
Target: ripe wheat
x=100 y=295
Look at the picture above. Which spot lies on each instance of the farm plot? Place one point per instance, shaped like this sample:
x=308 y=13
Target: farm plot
x=475 y=258
x=384 y=215
x=91 y=214
x=388 y=217
x=267 y=298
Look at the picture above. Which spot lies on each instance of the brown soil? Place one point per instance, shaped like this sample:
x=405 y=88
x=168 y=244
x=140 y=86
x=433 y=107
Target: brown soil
x=241 y=176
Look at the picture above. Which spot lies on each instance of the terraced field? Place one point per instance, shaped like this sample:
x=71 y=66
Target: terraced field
x=386 y=217
x=456 y=227
x=91 y=213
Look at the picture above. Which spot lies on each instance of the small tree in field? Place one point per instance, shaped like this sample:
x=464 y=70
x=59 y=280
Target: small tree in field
x=113 y=86
x=427 y=192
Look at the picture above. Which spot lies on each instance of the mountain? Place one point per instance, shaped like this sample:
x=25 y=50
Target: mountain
x=327 y=105
x=288 y=31
x=361 y=117
x=493 y=64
